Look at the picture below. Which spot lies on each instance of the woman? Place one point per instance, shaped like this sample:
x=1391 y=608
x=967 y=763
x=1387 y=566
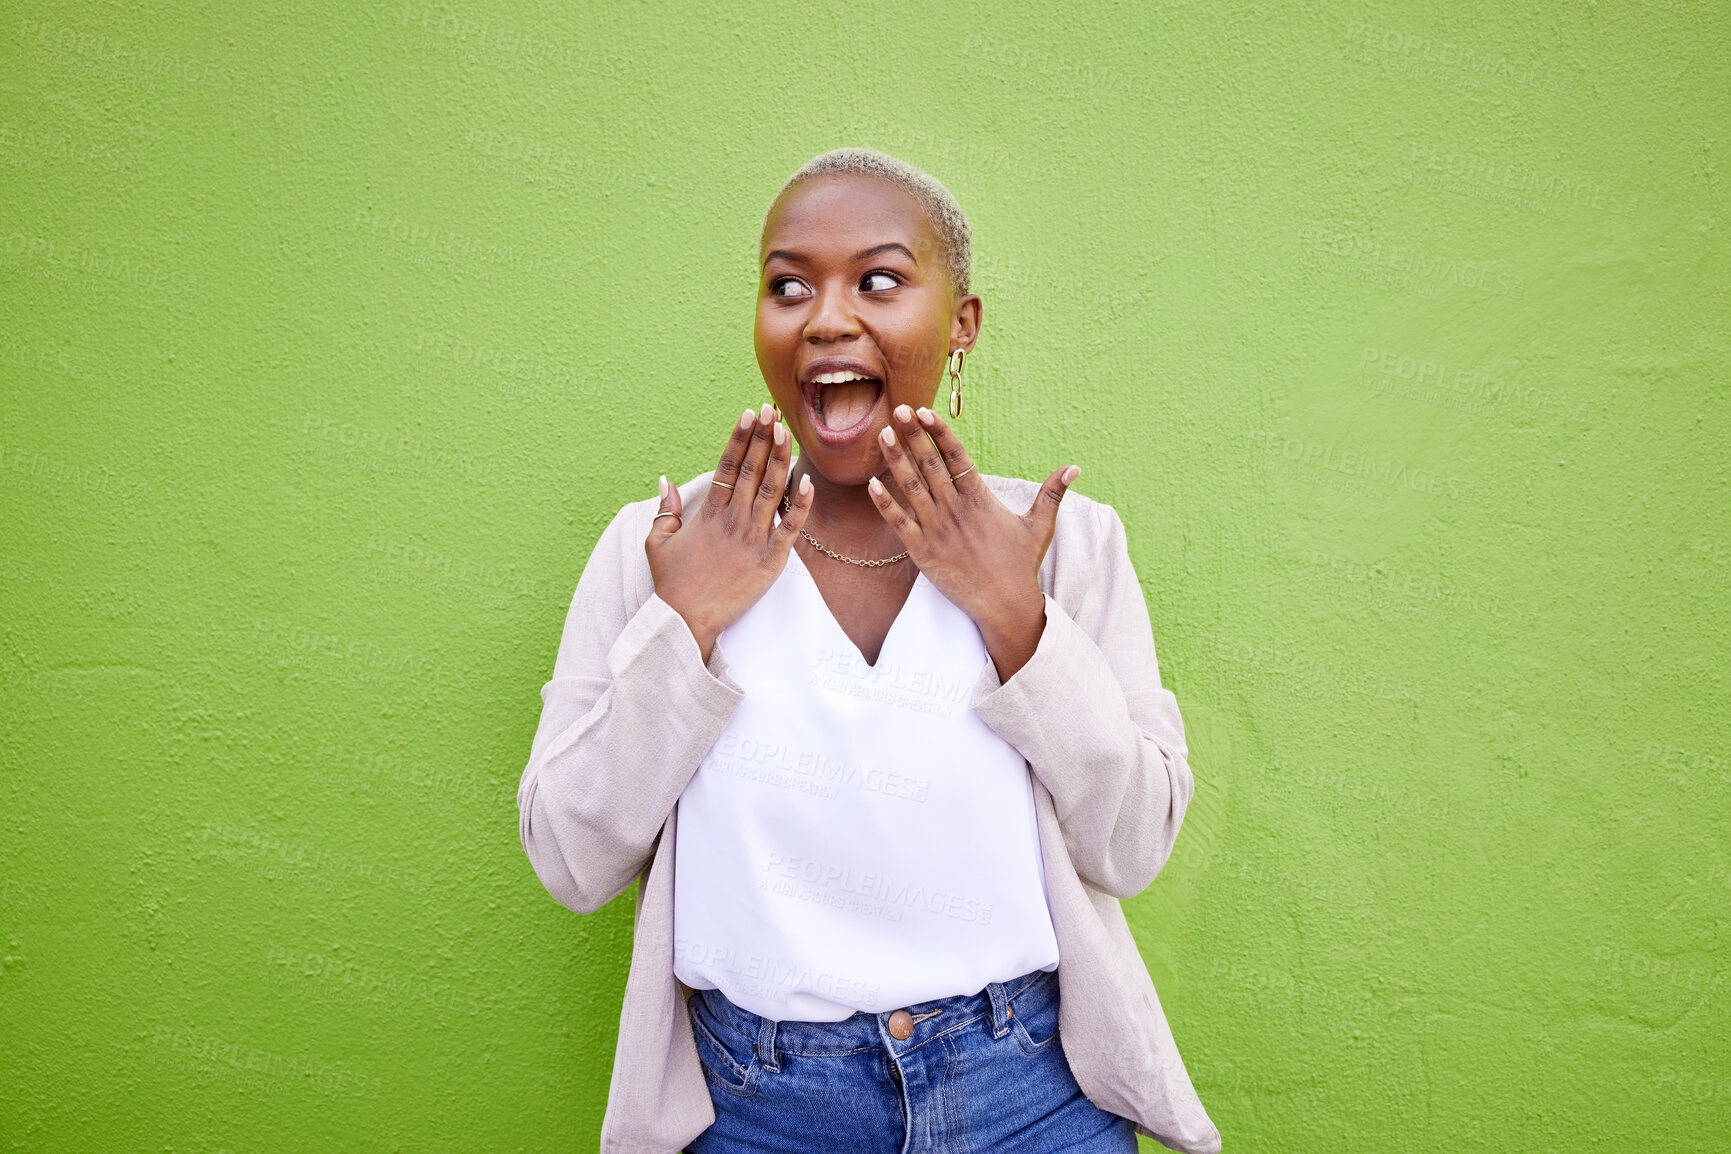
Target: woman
x=882 y=739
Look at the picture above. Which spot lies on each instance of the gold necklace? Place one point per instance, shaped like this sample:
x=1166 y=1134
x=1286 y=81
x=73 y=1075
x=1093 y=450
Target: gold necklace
x=816 y=544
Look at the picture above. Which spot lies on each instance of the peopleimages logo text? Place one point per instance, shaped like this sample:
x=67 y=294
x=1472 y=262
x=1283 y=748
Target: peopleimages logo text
x=879 y=887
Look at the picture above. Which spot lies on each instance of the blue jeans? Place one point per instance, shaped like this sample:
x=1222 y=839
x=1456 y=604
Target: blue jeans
x=980 y=1072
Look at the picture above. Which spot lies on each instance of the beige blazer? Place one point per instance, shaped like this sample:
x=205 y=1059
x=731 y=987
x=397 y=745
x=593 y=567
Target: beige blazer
x=632 y=709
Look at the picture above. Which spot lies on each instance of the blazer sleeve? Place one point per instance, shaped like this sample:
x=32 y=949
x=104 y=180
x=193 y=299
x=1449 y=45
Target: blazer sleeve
x=1096 y=726
x=630 y=712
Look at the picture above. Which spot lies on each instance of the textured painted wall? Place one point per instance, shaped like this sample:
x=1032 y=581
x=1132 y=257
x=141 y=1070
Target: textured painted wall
x=331 y=337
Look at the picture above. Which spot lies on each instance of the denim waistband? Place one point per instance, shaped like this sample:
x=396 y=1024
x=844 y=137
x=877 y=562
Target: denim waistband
x=863 y=1031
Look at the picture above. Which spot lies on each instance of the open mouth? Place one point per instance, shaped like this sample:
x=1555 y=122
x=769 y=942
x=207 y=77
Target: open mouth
x=843 y=402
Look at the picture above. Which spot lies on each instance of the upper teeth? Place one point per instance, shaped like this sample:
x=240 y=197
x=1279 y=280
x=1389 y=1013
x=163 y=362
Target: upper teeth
x=838 y=378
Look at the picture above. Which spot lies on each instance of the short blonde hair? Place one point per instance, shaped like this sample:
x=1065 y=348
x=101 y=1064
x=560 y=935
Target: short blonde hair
x=946 y=215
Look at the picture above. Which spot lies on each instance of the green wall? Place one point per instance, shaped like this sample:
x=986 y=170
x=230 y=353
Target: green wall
x=330 y=339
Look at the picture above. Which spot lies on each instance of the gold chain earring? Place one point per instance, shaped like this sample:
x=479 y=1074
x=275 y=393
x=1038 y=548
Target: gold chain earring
x=958 y=357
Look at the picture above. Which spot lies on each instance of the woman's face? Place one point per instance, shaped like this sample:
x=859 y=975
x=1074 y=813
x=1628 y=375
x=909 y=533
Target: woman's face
x=855 y=315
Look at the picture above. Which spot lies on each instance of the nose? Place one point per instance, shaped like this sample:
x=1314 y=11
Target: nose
x=832 y=317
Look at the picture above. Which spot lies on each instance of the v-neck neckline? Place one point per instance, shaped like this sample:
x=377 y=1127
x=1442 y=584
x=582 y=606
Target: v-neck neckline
x=901 y=611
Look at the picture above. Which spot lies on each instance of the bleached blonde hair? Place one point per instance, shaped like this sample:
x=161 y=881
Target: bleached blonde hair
x=946 y=215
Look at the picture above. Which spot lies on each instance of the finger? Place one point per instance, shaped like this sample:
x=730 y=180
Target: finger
x=1043 y=513
x=908 y=479
x=925 y=455
x=754 y=464
x=798 y=509
x=666 y=521
x=963 y=476
x=727 y=469
x=774 y=484
x=905 y=526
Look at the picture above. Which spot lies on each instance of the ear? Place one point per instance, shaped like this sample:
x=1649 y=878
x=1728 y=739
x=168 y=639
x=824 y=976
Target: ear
x=965 y=322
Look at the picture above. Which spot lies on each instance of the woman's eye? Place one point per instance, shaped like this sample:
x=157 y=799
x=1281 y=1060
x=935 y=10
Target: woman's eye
x=786 y=287
x=879 y=281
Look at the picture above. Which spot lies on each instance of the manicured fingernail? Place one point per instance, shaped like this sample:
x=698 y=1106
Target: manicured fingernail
x=927 y=417
x=745 y=421
x=780 y=434
x=766 y=414
x=805 y=486
x=888 y=436
x=1072 y=473
x=664 y=487
x=875 y=485
x=903 y=413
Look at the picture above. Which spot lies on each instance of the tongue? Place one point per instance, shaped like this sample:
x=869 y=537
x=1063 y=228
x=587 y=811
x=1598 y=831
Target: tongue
x=847 y=404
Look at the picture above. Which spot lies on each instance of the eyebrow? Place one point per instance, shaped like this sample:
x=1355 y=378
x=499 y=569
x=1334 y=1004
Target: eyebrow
x=861 y=255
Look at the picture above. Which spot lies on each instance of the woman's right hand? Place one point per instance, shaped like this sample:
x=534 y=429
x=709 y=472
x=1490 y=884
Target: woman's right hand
x=713 y=565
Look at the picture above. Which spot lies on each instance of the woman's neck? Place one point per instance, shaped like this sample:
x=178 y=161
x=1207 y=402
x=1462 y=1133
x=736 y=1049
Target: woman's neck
x=844 y=518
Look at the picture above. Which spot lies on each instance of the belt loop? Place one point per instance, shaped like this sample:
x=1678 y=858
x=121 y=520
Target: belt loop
x=1000 y=1007
x=766 y=1046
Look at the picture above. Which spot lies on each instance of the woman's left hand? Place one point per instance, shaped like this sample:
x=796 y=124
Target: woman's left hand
x=970 y=545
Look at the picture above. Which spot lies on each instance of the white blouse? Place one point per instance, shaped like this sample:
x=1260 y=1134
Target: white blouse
x=857 y=838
